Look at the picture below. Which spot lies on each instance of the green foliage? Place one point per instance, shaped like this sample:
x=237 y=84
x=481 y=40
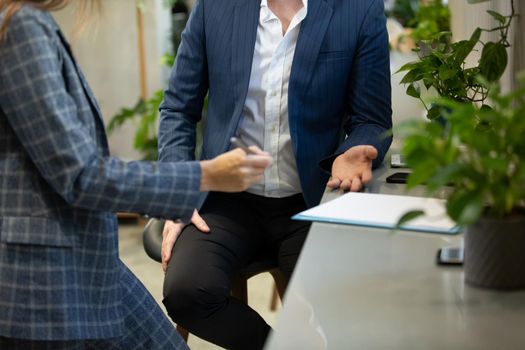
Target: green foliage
x=441 y=65
x=426 y=19
x=409 y=216
x=144 y=114
x=403 y=11
x=429 y=20
x=479 y=150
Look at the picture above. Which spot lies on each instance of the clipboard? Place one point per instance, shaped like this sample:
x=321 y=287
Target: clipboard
x=383 y=211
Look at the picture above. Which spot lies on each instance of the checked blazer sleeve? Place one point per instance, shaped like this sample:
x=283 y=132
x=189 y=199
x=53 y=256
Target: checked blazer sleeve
x=63 y=148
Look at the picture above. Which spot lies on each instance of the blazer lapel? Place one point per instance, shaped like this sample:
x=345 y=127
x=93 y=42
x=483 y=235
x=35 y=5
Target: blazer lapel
x=309 y=42
x=87 y=91
x=245 y=22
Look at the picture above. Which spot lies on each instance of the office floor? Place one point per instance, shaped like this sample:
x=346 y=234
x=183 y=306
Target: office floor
x=260 y=287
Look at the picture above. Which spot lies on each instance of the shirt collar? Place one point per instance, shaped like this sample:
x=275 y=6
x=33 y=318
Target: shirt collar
x=265 y=3
x=267 y=14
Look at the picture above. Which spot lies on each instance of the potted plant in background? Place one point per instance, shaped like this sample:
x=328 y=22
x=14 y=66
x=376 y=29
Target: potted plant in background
x=145 y=115
x=441 y=65
x=408 y=23
x=478 y=148
x=145 y=112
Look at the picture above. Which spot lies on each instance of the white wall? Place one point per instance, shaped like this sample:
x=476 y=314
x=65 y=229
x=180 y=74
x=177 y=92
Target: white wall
x=107 y=52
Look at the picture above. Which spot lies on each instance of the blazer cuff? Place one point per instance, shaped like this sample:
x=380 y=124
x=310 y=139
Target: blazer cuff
x=193 y=195
x=369 y=135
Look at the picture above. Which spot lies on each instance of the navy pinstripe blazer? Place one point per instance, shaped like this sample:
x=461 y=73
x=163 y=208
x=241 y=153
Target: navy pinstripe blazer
x=339 y=83
x=58 y=189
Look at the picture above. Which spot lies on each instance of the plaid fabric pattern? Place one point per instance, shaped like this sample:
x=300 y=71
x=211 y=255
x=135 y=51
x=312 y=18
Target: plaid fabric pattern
x=60 y=276
x=146 y=327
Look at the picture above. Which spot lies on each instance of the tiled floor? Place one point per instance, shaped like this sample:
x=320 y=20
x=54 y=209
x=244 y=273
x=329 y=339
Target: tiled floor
x=260 y=287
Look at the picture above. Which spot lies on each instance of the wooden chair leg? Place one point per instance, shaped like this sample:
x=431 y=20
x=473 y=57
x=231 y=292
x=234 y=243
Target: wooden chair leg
x=279 y=288
x=183 y=333
x=280 y=282
x=275 y=299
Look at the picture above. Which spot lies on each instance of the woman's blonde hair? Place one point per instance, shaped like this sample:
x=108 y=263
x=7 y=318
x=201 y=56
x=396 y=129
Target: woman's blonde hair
x=9 y=8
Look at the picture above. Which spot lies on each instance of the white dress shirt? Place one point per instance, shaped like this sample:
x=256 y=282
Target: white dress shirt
x=265 y=115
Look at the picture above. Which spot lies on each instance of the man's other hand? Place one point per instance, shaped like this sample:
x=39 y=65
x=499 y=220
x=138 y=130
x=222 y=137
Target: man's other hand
x=172 y=231
x=353 y=169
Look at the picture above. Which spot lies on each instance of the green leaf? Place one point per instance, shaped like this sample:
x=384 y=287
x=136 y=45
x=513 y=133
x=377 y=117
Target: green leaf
x=493 y=62
x=140 y=136
x=497 y=16
x=421 y=173
x=124 y=115
x=496 y=164
x=465 y=207
x=446 y=73
x=434 y=113
x=428 y=83
x=444 y=177
x=412 y=76
x=409 y=216
x=465 y=47
x=486 y=109
x=167 y=60
x=413 y=90
x=409 y=66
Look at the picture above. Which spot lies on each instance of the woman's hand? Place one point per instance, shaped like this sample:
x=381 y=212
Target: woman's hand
x=234 y=171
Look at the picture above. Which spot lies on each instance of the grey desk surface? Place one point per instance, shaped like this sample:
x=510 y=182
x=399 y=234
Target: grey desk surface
x=363 y=288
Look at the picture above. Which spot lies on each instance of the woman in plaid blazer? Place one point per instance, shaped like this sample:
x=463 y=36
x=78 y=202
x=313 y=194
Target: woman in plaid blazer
x=62 y=284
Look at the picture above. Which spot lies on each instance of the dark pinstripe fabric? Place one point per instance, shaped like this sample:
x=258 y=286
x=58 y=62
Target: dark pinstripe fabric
x=60 y=275
x=339 y=84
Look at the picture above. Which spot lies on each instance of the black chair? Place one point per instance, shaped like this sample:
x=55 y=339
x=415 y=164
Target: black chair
x=152 y=239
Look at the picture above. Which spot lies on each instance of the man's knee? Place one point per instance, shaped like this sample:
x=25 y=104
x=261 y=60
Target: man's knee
x=193 y=301
x=178 y=300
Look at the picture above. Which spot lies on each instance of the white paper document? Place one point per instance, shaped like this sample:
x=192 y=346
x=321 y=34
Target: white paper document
x=384 y=211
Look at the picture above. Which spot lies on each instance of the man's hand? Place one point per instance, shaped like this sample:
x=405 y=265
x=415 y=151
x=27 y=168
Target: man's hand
x=353 y=169
x=172 y=231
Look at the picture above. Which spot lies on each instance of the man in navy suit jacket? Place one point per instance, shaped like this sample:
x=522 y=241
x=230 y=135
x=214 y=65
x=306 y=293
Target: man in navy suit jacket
x=307 y=81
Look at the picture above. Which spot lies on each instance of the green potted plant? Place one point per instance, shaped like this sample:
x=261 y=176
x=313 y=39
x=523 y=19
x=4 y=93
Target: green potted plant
x=441 y=65
x=477 y=151
x=144 y=114
x=481 y=153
